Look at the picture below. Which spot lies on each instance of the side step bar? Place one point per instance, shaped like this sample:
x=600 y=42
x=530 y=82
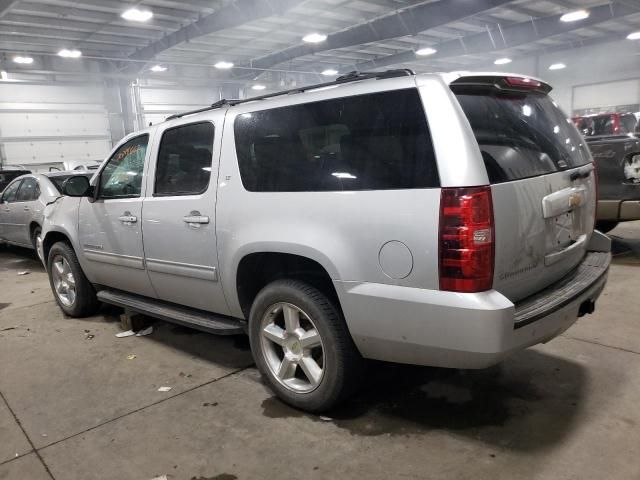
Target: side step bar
x=188 y=317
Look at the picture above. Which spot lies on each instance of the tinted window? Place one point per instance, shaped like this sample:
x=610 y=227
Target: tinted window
x=184 y=160
x=122 y=176
x=6 y=177
x=628 y=123
x=29 y=190
x=522 y=135
x=9 y=194
x=368 y=142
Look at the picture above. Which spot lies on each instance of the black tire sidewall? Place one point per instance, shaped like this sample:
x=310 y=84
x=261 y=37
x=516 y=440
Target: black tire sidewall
x=86 y=302
x=330 y=325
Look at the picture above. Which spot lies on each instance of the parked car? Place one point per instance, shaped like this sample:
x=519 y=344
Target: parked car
x=617 y=157
x=442 y=220
x=606 y=124
x=22 y=207
x=7 y=174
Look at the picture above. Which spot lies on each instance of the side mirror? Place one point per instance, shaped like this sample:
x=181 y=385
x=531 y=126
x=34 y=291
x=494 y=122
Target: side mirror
x=77 y=186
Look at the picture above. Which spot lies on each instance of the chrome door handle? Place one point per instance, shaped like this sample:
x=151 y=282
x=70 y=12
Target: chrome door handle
x=126 y=217
x=26 y=209
x=196 y=217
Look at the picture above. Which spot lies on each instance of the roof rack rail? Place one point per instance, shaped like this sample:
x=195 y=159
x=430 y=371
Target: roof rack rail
x=220 y=103
x=346 y=78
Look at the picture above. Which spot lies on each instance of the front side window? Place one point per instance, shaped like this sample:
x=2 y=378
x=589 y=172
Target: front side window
x=122 y=175
x=377 y=141
x=184 y=160
x=29 y=190
x=9 y=194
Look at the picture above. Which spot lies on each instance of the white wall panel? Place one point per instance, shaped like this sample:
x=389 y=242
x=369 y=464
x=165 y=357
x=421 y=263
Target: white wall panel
x=606 y=94
x=42 y=124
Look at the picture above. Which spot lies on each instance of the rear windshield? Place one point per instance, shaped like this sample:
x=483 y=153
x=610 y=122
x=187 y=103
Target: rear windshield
x=522 y=135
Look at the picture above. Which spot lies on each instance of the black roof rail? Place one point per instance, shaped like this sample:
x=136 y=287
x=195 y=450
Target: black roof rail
x=346 y=78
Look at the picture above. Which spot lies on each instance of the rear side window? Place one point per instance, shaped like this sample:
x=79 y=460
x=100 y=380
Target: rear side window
x=9 y=194
x=522 y=135
x=29 y=190
x=368 y=142
x=184 y=160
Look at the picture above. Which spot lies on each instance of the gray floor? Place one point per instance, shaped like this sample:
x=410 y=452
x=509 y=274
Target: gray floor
x=76 y=407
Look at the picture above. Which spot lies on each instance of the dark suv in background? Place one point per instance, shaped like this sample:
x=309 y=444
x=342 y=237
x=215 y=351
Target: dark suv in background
x=7 y=174
x=615 y=146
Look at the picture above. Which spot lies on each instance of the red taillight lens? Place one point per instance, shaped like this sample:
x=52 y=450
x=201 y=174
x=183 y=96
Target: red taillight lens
x=522 y=82
x=466 y=239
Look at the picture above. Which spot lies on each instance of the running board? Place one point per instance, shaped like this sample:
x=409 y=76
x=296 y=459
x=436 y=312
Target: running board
x=188 y=317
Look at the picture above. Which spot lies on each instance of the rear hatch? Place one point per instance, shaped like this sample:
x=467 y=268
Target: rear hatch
x=542 y=179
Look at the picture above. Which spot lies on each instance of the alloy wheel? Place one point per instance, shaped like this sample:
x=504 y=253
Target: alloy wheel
x=64 y=282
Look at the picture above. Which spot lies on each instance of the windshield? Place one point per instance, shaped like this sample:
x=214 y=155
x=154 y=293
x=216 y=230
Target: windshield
x=522 y=135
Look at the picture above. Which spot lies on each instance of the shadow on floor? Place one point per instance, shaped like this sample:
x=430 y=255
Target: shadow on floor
x=19 y=259
x=528 y=403
x=625 y=250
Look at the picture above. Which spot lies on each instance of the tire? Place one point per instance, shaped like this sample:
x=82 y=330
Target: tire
x=61 y=261
x=606 y=226
x=37 y=243
x=339 y=360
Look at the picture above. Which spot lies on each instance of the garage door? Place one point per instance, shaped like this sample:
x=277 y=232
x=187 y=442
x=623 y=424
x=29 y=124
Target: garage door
x=44 y=125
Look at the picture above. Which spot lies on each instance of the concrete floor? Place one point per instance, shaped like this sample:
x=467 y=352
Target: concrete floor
x=75 y=407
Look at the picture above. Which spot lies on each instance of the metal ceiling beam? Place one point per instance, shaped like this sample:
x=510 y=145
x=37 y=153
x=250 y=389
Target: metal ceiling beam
x=64 y=35
x=505 y=37
x=236 y=13
x=409 y=21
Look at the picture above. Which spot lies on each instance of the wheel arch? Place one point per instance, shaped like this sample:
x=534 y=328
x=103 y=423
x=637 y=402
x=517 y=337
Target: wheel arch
x=259 y=267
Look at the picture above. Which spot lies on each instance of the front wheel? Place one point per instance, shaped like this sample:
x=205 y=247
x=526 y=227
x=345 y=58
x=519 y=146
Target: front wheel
x=73 y=292
x=302 y=347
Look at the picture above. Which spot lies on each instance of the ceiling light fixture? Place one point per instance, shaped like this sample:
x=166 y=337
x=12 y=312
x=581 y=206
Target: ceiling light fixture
x=314 y=38
x=502 y=61
x=574 y=16
x=557 y=66
x=223 y=65
x=23 y=60
x=634 y=36
x=158 y=68
x=136 y=15
x=258 y=87
x=329 y=72
x=423 y=52
x=66 y=53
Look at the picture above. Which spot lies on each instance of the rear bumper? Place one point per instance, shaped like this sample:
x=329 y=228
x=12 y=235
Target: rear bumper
x=617 y=210
x=447 y=329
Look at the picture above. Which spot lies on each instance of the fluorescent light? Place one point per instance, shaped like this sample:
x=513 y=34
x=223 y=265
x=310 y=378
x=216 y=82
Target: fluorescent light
x=343 y=175
x=557 y=66
x=574 y=16
x=502 y=61
x=329 y=72
x=314 y=38
x=426 y=51
x=66 y=53
x=223 y=65
x=136 y=15
x=158 y=68
x=23 y=60
x=258 y=87
x=634 y=36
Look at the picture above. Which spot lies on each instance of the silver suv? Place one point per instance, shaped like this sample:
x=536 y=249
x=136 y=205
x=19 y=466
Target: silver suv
x=441 y=220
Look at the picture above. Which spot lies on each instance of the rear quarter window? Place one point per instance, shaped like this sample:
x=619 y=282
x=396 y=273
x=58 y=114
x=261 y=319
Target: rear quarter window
x=376 y=141
x=522 y=135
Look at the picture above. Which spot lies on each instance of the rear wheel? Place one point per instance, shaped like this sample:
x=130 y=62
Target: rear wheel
x=36 y=240
x=606 y=226
x=302 y=346
x=73 y=292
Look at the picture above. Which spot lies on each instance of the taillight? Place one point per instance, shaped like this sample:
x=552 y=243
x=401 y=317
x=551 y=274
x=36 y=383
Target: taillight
x=522 y=82
x=466 y=239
